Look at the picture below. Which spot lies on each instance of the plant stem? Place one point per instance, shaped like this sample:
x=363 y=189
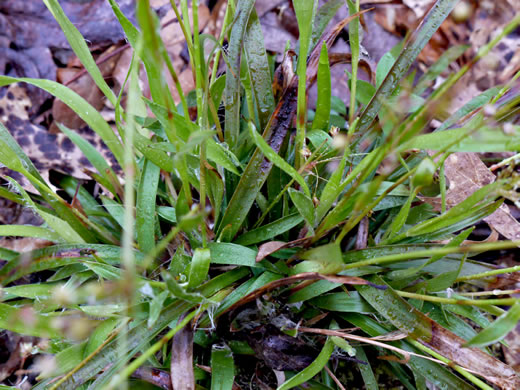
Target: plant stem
x=201 y=112
x=469 y=376
x=454 y=301
x=227 y=20
x=353 y=32
x=488 y=246
x=486 y=274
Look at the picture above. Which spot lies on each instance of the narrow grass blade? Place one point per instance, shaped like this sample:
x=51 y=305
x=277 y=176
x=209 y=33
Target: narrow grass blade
x=315 y=367
x=269 y=230
x=401 y=217
x=58 y=256
x=8 y=142
x=115 y=209
x=445 y=220
x=222 y=156
x=323 y=17
x=343 y=303
x=9 y=159
x=145 y=206
x=259 y=69
x=232 y=254
x=60 y=226
x=384 y=65
x=272 y=156
x=156 y=305
x=151 y=47
x=96 y=159
x=354 y=41
x=80 y=48
x=232 y=91
x=484 y=140
x=331 y=190
x=152 y=63
x=31 y=291
x=30 y=231
x=99 y=335
x=304 y=206
x=215 y=188
x=155 y=155
x=11 y=318
x=322 y=115
x=498 y=329
x=80 y=106
x=366 y=370
x=199 y=267
x=440 y=65
x=419 y=39
x=222 y=368
x=305 y=11
x=472 y=105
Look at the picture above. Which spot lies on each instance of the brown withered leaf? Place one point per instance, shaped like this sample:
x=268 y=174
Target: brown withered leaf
x=269 y=248
x=47 y=151
x=512 y=351
x=451 y=346
x=83 y=86
x=154 y=376
x=181 y=367
x=273 y=246
x=429 y=333
x=466 y=174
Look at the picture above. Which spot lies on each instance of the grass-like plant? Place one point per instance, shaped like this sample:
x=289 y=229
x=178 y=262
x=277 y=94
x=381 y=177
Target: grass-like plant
x=240 y=244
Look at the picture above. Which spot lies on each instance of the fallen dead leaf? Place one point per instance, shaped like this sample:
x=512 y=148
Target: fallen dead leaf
x=181 y=367
x=47 y=151
x=466 y=174
x=155 y=376
x=25 y=244
x=512 y=351
x=429 y=333
x=269 y=248
x=451 y=346
x=83 y=86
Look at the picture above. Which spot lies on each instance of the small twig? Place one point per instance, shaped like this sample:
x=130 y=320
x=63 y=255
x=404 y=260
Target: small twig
x=103 y=58
x=336 y=380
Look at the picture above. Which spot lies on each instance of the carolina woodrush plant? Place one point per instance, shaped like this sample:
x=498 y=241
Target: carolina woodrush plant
x=255 y=240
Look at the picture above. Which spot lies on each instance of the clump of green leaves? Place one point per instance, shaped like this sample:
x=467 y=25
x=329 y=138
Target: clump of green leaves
x=277 y=231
